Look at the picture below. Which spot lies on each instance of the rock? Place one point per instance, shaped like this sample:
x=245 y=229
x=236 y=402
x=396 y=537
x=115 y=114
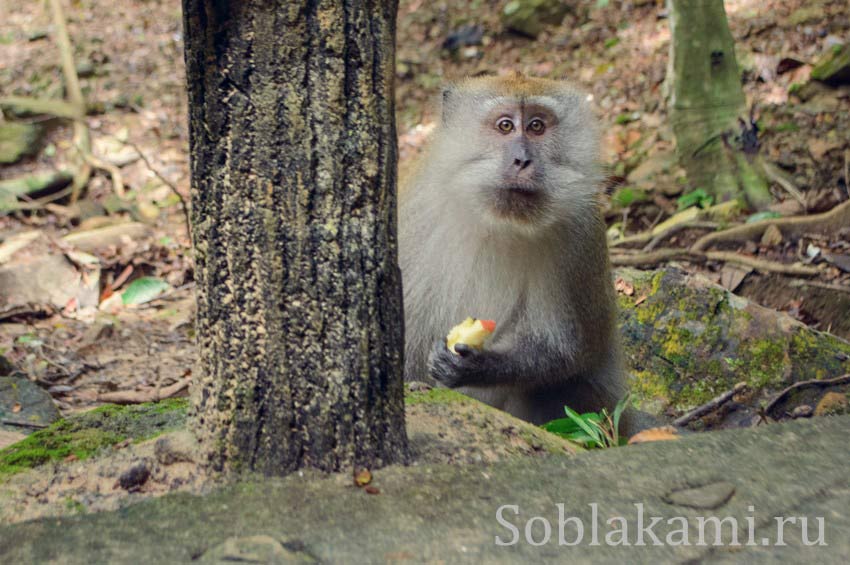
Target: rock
x=833 y=403
x=834 y=67
x=709 y=497
x=254 y=549
x=802 y=411
x=688 y=340
x=23 y=401
x=177 y=447
x=134 y=477
x=17 y=141
x=530 y=17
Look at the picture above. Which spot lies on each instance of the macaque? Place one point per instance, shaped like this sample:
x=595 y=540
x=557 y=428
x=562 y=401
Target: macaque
x=501 y=221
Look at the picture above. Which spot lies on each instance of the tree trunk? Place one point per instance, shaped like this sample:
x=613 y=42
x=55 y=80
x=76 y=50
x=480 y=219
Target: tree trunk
x=707 y=101
x=293 y=144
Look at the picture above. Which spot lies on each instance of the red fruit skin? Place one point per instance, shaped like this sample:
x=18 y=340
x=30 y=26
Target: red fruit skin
x=489 y=325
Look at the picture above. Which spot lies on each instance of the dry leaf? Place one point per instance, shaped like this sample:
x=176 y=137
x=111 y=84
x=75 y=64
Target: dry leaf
x=663 y=433
x=372 y=490
x=16 y=407
x=731 y=276
x=624 y=287
x=819 y=147
x=362 y=477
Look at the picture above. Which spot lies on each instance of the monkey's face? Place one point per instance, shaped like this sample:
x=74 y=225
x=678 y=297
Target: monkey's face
x=525 y=161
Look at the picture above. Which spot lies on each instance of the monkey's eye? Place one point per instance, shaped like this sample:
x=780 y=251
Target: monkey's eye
x=505 y=125
x=536 y=126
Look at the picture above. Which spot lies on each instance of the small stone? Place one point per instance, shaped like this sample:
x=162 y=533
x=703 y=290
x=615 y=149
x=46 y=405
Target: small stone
x=178 y=447
x=832 y=403
x=802 y=411
x=134 y=477
x=709 y=497
x=771 y=237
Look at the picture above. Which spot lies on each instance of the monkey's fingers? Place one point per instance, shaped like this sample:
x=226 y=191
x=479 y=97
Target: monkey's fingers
x=464 y=350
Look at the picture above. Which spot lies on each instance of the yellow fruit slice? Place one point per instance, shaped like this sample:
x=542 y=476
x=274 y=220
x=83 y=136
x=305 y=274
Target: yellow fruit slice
x=470 y=332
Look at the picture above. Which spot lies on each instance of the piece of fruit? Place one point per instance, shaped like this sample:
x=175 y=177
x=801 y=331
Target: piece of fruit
x=470 y=332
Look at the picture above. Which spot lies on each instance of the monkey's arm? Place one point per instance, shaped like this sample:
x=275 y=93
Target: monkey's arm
x=531 y=364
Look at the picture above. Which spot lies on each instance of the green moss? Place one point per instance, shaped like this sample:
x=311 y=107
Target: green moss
x=649 y=386
x=433 y=396
x=83 y=435
x=649 y=311
x=766 y=360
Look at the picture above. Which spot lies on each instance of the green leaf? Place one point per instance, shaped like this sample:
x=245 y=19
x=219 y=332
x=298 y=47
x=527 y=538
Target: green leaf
x=764 y=215
x=698 y=197
x=143 y=290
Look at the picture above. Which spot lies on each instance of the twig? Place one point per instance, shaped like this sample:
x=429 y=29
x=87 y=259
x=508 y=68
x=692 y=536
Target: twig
x=762 y=264
x=20 y=424
x=136 y=397
x=814 y=382
x=114 y=172
x=827 y=222
x=709 y=406
x=183 y=204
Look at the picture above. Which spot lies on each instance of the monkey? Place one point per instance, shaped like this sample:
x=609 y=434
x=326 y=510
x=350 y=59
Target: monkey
x=502 y=221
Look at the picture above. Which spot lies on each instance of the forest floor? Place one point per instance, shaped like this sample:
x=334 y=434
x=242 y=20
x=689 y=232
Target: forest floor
x=131 y=69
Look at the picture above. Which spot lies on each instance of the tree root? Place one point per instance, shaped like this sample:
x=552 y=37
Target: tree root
x=814 y=382
x=827 y=223
x=669 y=254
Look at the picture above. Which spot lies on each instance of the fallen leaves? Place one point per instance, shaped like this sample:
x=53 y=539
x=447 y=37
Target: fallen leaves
x=664 y=433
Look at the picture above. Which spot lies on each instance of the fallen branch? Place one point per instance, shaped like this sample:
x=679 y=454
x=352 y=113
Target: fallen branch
x=669 y=254
x=139 y=397
x=653 y=243
x=813 y=382
x=20 y=424
x=709 y=406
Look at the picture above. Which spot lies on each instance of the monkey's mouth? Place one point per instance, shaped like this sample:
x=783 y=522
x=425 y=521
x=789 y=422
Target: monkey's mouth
x=519 y=202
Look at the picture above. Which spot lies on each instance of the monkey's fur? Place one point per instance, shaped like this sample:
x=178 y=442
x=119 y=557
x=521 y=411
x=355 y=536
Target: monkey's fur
x=506 y=225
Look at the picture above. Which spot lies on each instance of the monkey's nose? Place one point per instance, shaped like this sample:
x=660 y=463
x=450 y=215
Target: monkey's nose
x=521 y=164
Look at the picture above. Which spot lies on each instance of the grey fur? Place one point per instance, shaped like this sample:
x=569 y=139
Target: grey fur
x=546 y=284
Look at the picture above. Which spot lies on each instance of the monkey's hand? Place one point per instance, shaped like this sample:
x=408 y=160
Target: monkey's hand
x=455 y=369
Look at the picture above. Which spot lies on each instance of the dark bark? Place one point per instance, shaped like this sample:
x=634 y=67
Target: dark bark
x=293 y=143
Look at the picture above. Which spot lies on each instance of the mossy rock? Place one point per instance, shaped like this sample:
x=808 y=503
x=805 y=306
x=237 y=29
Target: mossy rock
x=834 y=67
x=83 y=435
x=688 y=340
x=24 y=405
x=17 y=141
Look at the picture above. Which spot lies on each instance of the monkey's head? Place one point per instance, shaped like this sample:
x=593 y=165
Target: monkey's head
x=519 y=151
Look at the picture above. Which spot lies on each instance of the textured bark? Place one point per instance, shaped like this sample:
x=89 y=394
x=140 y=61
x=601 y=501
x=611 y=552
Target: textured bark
x=293 y=145
x=707 y=100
